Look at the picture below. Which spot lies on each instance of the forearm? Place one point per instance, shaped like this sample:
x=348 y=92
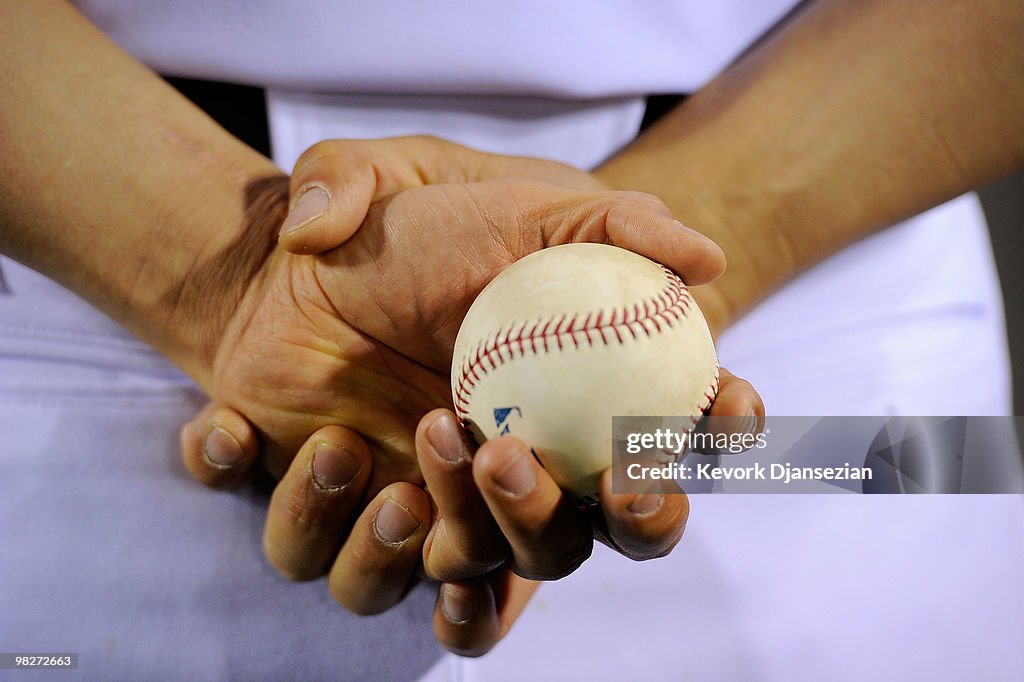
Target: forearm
x=855 y=115
x=114 y=185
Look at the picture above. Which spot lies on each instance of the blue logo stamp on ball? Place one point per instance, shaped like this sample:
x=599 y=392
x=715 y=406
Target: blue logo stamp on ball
x=504 y=417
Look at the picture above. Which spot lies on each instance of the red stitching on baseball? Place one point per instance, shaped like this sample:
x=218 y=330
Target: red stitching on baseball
x=709 y=397
x=672 y=303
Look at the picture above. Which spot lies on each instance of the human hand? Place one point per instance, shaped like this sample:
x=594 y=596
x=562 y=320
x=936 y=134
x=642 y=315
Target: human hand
x=335 y=181
x=533 y=557
x=485 y=544
x=374 y=560
x=361 y=336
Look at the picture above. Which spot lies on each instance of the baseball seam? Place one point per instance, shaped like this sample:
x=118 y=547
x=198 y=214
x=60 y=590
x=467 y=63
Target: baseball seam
x=568 y=332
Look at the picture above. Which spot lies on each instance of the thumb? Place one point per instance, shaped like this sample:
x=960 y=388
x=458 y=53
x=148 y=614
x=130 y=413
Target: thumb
x=331 y=193
x=636 y=221
x=642 y=223
x=335 y=181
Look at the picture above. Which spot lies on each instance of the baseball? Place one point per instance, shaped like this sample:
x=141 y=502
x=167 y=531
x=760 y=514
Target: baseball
x=568 y=337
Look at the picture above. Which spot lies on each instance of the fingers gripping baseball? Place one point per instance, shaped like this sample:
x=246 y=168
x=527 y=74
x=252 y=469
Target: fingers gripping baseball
x=644 y=525
x=642 y=223
x=495 y=505
x=549 y=538
x=650 y=524
x=635 y=221
x=464 y=541
x=737 y=398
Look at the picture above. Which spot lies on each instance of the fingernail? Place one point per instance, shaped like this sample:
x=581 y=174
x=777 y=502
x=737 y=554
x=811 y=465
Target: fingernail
x=311 y=204
x=517 y=477
x=446 y=439
x=645 y=503
x=221 y=449
x=394 y=523
x=457 y=607
x=750 y=423
x=333 y=467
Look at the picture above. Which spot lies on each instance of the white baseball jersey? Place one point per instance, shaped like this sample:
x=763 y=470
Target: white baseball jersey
x=109 y=549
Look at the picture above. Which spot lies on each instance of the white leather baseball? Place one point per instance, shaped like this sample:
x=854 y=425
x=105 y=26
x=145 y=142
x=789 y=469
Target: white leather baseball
x=568 y=337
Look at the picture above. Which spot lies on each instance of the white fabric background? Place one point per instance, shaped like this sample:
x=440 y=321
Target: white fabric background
x=568 y=48
x=108 y=548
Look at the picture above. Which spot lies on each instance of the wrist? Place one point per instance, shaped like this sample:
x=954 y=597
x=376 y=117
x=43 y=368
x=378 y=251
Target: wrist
x=188 y=292
x=131 y=198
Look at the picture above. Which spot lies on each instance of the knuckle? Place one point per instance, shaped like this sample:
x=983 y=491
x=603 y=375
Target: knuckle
x=186 y=435
x=325 y=155
x=309 y=513
x=284 y=562
x=741 y=385
x=320 y=149
x=313 y=154
x=634 y=199
x=656 y=550
x=556 y=566
x=359 y=602
x=654 y=537
x=191 y=454
x=456 y=555
x=342 y=597
x=299 y=511
x=426 y=139
x=467 y=644
x=654 y=545
x=636 y=210
x=454 y=570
